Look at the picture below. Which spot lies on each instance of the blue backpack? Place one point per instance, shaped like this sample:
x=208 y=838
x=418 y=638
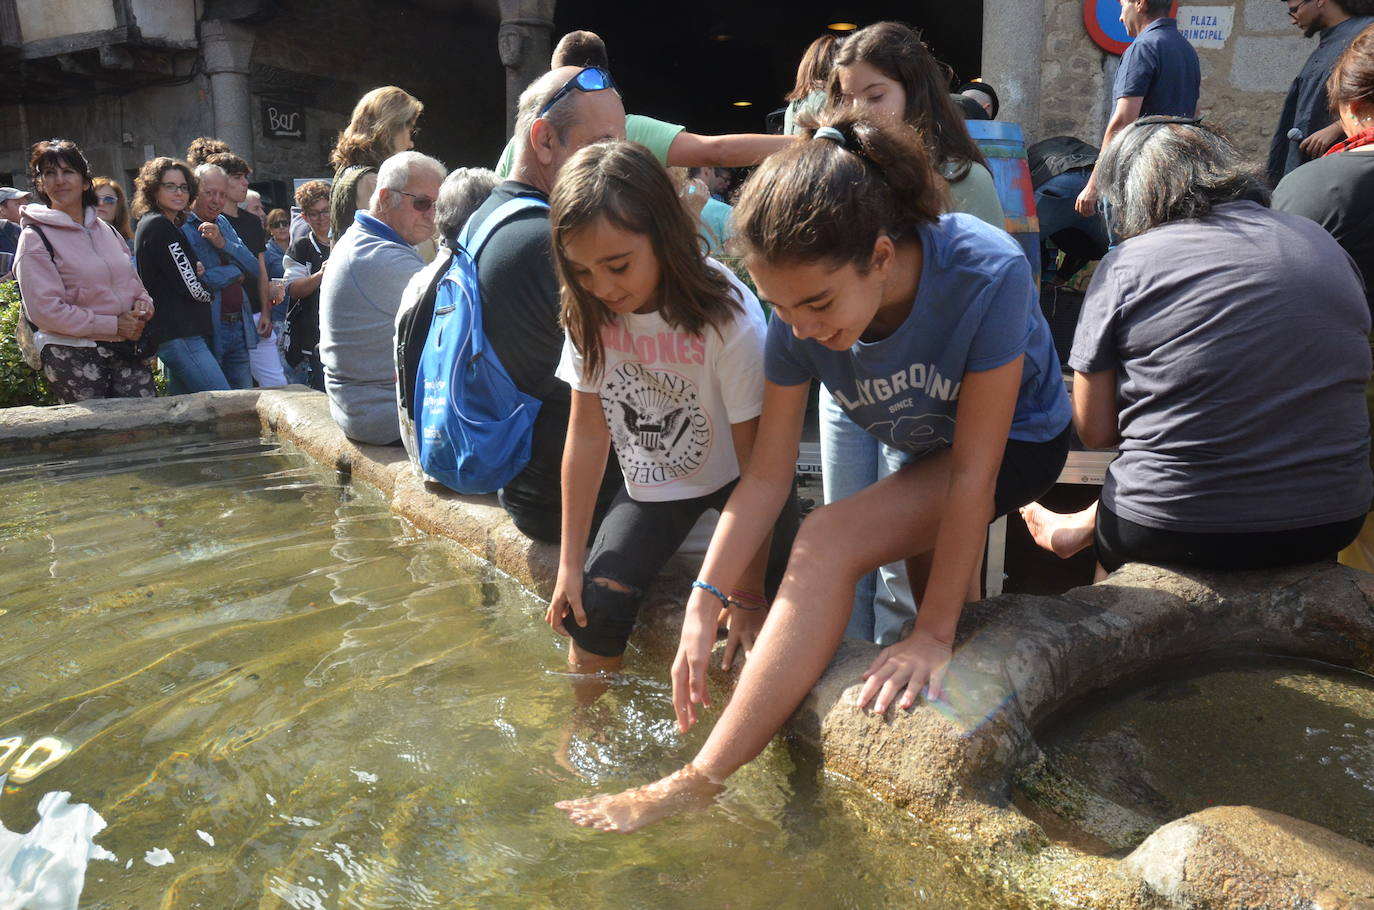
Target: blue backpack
x=473 y=426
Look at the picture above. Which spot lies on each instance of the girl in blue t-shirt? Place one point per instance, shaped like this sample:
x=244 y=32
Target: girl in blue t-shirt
x=905 y=314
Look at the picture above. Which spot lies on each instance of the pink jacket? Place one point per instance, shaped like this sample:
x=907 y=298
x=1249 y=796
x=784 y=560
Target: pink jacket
x=88 y=281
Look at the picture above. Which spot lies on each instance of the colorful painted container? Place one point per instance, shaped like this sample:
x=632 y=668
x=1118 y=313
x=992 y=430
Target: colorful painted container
x=1004 y=146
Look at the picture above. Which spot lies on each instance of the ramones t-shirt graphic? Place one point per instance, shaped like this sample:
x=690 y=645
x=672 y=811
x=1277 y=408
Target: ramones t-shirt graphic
x=658 y=427
x=671 y=397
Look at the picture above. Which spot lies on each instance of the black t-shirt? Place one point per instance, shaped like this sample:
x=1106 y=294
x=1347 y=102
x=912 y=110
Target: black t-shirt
x=254 y=236
x=305 y=330
x=1337 y=192
x=520 y=317
x=167 y=267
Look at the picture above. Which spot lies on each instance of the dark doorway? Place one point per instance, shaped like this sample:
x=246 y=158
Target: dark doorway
x=689 y=63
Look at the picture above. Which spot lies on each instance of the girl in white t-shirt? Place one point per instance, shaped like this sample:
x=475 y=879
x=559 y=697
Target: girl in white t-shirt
x=665 y=358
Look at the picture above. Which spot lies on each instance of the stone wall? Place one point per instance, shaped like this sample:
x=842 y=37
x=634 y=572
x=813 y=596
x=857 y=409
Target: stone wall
x=317 y=57
x=1243 y=83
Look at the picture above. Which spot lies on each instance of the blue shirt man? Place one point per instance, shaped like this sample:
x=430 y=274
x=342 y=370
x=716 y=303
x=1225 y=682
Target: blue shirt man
x=225 y=271
x=1159 y=74
x=1161 y=69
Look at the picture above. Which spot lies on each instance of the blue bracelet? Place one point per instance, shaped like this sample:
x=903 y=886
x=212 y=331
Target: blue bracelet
x=707 y=586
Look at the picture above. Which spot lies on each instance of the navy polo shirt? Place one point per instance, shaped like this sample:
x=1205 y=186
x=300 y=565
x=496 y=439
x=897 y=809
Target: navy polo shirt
x=1161 y=67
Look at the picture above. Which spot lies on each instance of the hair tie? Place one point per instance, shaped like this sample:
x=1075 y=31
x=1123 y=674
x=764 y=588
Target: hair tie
x=829 y=132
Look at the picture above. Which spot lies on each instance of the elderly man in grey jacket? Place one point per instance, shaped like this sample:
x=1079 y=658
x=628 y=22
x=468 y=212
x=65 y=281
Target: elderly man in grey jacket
x=361 y=292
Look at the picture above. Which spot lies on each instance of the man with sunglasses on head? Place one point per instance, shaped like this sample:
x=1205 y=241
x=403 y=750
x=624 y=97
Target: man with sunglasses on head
x=670 y=143
x=1307 y=127
x=360 y=293
x=562 y=112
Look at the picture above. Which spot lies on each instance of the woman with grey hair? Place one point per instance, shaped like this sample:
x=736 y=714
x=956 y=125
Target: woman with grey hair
x=463 y=192
x=1222 y=348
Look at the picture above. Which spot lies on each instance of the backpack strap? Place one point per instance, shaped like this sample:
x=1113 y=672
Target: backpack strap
x=46 y=242
x=474 y=235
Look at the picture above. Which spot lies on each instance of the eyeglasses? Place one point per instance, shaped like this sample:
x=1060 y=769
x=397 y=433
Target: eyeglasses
x=316 y=213
x=419 y=203
x=177 y=187
x=1293 y=10
x=591 y=79
x=109 y=200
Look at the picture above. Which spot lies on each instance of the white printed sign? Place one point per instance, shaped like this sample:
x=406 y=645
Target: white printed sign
x=1206 y=26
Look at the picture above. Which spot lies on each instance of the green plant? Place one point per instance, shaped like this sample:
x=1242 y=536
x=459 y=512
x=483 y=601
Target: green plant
x=19 y=385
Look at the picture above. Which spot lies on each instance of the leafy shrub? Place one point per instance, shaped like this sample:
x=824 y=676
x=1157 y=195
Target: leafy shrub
x=19 y=385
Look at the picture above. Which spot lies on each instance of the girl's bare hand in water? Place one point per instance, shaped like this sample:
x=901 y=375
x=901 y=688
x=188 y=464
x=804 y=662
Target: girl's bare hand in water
x=693 y=655
x=919 y=660
x=567 y=598
x=743 y=627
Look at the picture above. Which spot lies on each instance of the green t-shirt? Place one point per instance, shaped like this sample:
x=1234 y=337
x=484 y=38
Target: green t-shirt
x=976 y=195
x=655 y=135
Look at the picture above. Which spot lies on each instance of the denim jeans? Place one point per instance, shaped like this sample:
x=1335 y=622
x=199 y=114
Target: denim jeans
x=295 y=375
x=190 y=366
x=851 y=460
x=233 y=355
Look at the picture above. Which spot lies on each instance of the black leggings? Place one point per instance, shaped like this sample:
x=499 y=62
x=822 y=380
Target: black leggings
x=632 y=545
x=1120 y=541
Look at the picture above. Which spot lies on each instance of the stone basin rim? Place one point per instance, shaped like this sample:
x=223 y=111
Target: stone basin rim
x=1020 y=659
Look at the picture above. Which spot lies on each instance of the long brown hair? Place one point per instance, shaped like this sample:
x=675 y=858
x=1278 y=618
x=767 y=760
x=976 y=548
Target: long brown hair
x=370 y=136
x=121 y=214
x=822 y=200
x=623 y=183
x=898 y=53
x=813 y=72
x=150 y=176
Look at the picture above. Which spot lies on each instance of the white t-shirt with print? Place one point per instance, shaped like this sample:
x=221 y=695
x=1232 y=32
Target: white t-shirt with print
x=670 y=397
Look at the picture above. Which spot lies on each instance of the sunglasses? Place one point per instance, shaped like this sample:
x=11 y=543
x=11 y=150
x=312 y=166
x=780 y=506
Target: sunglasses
x=419 y=203
x=106 y=200
x=277 y=224
x=591 y=79
x=177 y=187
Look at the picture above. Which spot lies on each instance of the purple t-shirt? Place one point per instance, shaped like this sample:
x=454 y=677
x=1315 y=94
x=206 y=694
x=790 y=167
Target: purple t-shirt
x=1241 y=345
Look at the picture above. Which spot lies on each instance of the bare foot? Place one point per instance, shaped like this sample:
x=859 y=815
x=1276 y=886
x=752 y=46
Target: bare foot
x=1063 y=535
x=621 y=813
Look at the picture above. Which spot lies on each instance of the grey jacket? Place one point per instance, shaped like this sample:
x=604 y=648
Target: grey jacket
x=359 y=296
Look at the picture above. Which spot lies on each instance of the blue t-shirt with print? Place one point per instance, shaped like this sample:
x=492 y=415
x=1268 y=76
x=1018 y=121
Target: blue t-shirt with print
x=975 y=310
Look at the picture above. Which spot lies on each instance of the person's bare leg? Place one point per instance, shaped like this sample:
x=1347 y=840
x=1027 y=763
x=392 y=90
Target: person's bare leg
x=900 y=515
x=590 y=680
x=1063 y=535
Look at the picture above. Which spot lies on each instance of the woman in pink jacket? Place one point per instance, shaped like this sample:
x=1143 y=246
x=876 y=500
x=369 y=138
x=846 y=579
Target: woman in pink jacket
x=80 y=290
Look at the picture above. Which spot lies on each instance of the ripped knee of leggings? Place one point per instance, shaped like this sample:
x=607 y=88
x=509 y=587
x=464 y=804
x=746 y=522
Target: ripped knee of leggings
x=611 y=584
x=611 y=607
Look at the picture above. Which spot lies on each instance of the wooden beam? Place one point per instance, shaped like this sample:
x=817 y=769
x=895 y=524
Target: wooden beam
x=10 y=34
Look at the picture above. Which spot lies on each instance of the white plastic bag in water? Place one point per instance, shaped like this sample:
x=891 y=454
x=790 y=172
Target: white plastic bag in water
x=45 y=869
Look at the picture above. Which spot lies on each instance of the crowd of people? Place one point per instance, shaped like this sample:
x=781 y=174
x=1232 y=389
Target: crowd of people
x=1223 y=346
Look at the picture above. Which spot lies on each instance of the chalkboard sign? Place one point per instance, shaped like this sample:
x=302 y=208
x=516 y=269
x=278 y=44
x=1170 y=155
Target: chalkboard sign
x=282 y=121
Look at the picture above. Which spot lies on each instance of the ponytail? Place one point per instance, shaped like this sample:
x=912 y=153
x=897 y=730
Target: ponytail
x=829 y=196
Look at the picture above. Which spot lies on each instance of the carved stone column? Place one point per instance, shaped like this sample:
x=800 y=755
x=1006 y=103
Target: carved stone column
x=228 y=48
x=525 y=42
x=1013 y=51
